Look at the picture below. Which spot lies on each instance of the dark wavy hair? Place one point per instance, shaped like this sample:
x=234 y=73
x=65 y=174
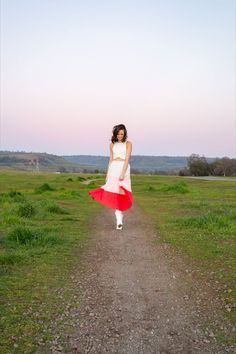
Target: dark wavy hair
x=116 y=130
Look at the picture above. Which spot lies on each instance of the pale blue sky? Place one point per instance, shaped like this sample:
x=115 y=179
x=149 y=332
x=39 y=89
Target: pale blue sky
x=73 y=69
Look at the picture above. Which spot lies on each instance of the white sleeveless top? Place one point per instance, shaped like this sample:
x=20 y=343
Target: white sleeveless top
x=119 y=150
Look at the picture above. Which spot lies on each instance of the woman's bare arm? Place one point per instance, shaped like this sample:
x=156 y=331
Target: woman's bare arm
x=127 y=157
x=111 y=158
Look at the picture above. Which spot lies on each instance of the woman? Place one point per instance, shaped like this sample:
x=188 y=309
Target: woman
x=116 y=193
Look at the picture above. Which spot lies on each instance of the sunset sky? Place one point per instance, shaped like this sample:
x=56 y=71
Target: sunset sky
x=71 y=70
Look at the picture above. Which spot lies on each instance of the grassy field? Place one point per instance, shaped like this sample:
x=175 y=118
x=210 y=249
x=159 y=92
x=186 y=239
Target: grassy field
x=197 y=217
x=45 y=226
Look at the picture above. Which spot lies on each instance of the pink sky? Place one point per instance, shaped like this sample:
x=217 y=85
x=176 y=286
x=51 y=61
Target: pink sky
x=70 y=71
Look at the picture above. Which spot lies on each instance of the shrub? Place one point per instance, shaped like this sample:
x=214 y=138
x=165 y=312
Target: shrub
x=52 y=207
x=10 y=258
x=12 y=196
x=179 y=187
x=26 y=210
x=44 y=188
x=79 y=178
x=151 y=188
x=24 y=235
x=74 y=193
x=13 y=193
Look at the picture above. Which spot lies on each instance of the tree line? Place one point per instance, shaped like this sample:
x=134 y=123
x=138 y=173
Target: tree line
x=199 y=166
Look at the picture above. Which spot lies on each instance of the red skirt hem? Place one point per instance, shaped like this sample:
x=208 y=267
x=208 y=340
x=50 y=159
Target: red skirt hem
x=113 y=200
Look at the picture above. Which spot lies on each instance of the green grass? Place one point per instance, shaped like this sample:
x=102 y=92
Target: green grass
x=198 y=218
x=45 y=228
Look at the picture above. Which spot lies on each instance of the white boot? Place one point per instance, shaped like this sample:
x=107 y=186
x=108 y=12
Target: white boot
x=119 y=219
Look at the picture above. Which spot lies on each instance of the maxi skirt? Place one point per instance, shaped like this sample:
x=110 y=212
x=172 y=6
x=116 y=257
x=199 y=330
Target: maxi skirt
x=115 y=193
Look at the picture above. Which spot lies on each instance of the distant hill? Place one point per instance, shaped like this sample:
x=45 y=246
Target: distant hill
x=34 y=161
x=138 y=163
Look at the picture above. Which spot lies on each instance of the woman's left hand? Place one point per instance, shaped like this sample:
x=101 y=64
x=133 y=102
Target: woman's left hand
x=121 y=177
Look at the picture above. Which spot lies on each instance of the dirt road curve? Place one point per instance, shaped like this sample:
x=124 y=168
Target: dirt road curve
x=138 y=297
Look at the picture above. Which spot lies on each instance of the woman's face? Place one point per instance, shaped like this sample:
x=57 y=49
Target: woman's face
x=120 y=135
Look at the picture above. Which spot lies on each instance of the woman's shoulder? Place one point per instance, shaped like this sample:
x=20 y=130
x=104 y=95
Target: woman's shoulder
x=127 y=142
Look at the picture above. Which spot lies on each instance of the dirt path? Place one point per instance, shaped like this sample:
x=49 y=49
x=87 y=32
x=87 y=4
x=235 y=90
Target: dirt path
x=138 y=298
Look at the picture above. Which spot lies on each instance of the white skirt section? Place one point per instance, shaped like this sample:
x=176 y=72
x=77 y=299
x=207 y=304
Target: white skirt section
x=115 y=193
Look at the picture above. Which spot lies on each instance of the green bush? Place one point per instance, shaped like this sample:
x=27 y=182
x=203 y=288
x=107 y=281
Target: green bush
x=24 y=235
x=151 y=188
x=26 y=210
x=44 y=188
x=14 y=193
x=11 y=258
x=52 y=207
x=12 y=196
x=74 y=193
x=209 y=220
x=79 y=178
x=179 y=187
